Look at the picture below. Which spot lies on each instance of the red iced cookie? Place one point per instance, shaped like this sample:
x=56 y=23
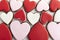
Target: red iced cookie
x=54 y=5
x=29 y=5
x=38 y=32
x=45 y=17
x=4 y=6
x=5 y=33
x=20 y=14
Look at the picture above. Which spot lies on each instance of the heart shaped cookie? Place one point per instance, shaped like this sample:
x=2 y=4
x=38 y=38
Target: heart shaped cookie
x=57 y=16
x=6 y=17
x=21 y=15
x=15 y=4
x=4 y=6
x=54 y=30
x=33 y=17
x=20 y=31
x=45 y=17
x=42 y=5
x=5 y=33
x=54 y=5
x=29 y=5
x=38 y=32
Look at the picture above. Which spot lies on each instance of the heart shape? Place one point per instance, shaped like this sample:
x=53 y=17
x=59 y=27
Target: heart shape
x=29 y=5
x=20 y=29
x=15 y=4
x=33 y=18
x=38 y=32
x=54 y=30
x=54 y=5
x=57 y=16
x=5 y=33
x=6 y=17
x=4 y=6
x=45 y=17
x=21 y=15
x=42 y=5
